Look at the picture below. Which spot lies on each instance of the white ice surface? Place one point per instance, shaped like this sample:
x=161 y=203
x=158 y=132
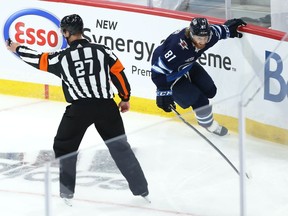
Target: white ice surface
x=186 y=175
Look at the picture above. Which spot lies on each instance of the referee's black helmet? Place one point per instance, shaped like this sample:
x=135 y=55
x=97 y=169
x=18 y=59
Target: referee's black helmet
x=72 y=23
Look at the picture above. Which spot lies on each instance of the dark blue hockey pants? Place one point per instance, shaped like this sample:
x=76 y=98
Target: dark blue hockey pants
x=195 y=89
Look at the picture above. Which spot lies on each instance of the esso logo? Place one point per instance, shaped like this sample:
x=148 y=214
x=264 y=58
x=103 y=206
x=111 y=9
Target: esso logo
x=35 y=28
x=35 y=36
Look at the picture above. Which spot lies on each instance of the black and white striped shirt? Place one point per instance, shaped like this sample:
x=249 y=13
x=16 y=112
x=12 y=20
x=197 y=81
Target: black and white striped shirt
x=86 y=70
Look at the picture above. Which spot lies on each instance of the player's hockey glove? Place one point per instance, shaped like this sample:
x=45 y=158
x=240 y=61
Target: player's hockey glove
x=233 y=25
x=164 y=99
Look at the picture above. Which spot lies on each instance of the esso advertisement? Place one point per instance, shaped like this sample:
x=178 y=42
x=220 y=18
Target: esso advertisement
x=35 y=28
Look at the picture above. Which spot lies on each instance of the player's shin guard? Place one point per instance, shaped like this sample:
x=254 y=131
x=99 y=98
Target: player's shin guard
x=204 y=116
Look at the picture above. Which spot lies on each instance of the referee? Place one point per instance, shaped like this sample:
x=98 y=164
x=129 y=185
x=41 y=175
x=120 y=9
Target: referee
x=87 y=71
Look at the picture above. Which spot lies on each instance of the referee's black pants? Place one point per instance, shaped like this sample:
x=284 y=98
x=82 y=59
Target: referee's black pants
x=105 y=115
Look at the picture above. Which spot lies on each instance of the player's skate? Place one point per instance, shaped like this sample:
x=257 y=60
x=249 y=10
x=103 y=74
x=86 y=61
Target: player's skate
x=217 y=129
x=67 y=198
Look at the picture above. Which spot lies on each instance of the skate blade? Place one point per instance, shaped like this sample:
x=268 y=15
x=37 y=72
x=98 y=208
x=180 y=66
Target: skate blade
x=146 y=198
x=68 y=202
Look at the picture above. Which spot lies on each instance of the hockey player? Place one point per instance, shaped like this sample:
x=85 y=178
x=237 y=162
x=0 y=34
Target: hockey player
x=86 y=70
x=177 y=75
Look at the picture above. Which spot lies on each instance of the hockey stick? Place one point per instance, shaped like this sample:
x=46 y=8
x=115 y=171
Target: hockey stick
x=205 y=138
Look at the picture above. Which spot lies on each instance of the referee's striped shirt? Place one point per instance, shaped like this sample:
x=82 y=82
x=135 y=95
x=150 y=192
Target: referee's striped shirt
x=86 y=70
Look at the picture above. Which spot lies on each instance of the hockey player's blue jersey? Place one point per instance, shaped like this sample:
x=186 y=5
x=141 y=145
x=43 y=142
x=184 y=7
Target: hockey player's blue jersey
x=175 y=56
